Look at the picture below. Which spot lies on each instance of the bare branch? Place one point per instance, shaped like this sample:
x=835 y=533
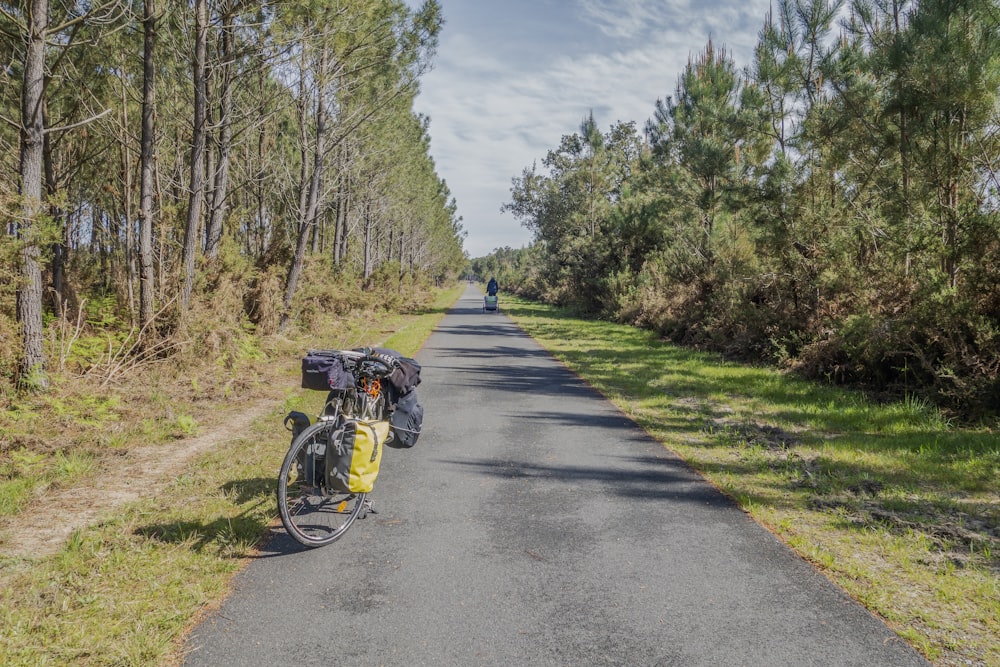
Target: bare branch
x=13 y=124
x=76 y=125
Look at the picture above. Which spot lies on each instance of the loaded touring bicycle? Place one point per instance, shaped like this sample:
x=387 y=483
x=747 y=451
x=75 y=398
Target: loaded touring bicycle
x=332 y=464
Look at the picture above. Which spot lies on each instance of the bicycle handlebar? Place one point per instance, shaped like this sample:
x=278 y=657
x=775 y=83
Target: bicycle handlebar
x=361 y=356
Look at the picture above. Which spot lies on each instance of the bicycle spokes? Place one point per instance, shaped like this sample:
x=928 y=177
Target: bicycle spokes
x=312 y=514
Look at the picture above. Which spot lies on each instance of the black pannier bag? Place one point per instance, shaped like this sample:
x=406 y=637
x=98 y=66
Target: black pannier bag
x=311 y=458
x=406 y=421
x=408 y=414
x=324 y=370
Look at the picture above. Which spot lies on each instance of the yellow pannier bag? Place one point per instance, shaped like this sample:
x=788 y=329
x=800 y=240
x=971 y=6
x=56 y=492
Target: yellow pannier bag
x=353 y=460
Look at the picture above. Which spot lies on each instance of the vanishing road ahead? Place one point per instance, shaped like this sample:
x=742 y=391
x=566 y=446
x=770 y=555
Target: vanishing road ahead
x=533 y=524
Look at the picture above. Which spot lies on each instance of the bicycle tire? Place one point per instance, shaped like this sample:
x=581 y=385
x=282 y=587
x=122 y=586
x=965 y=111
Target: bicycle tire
x=312 y=515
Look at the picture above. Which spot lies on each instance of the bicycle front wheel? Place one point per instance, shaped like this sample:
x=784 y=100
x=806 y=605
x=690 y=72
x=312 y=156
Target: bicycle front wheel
x=313 y=515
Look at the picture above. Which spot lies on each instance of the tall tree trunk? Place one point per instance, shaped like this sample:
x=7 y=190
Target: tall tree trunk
x=304 y=161
x=954 y=141
x=366 y=262
x=60 y=249
x=402 y=263
x=29 y=292
x=308 y=216
x=344 y=240
x=317 y=232
x=225 y=138
x=197 y=153
x=340 y=224
x=211 y=150
x=127 y=210
x=147 y=295
x=162 y=258
x=100 y=241
x=260 y=174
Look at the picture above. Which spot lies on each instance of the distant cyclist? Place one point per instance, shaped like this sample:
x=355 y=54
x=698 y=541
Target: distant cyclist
x=491 y=287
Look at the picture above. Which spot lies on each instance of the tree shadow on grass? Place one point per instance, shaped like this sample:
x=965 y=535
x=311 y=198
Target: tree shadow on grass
x=637 y=364
x=862 y=496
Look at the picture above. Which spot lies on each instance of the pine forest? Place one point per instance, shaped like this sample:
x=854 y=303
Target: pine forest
x=176 y=167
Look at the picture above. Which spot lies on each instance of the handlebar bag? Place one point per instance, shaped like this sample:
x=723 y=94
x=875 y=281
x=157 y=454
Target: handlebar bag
x=405 y=378
x=323 y=371
x=352 y=463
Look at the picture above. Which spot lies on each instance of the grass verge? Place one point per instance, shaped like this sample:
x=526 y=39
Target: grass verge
x=890 y=501
x=124 y=591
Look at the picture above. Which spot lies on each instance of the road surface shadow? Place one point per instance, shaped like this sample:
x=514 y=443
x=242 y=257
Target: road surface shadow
x=655 y=479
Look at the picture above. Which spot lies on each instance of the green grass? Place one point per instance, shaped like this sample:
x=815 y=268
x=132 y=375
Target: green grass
x=23 y=473
x=890 y=501
x=124 y=592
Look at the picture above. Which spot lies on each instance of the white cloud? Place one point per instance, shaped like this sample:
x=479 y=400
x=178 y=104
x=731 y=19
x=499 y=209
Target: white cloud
x=494 y=112
x=629 y=19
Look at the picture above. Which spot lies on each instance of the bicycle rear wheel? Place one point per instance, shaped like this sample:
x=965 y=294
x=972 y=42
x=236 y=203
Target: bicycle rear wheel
x=313 y=515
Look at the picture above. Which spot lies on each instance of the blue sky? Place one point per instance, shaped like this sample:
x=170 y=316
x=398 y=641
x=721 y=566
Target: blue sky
x=511 y=77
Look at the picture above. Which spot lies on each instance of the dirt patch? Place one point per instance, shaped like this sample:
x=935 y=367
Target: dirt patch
x=43 y=527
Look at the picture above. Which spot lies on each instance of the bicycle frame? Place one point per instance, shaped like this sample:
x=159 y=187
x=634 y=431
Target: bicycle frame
x=366 y=400
x=354 y=403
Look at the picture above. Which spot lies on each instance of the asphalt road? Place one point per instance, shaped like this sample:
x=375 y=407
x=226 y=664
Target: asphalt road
x=533 y=524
